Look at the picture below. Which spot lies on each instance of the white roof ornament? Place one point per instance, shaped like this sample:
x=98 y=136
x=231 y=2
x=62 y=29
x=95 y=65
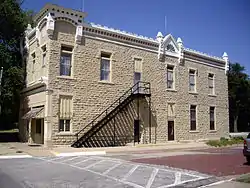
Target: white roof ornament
x=225 y=57
x=50 y=25
x=181 y=50
x=159 y=37
x=180 y=43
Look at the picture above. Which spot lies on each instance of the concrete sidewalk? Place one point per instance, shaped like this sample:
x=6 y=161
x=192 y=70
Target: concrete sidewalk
x=24 y=148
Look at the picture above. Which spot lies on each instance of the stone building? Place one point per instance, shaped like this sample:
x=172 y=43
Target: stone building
x=90 y=85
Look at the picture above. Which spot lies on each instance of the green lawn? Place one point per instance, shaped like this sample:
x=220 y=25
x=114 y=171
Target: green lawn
x=244 y=178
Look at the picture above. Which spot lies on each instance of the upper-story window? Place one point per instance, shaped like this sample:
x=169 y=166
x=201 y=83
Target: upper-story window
x=138 y=70
x=44 y=55
x=66 y=61
x=105 y=67
x=170 y=77
x=192 y=80
x=211 y=83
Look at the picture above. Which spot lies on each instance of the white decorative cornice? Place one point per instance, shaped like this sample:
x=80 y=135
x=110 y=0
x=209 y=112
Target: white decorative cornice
x=204 y=55
x=122 y=32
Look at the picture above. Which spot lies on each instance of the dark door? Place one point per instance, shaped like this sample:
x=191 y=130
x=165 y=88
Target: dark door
x=136 y=130
x=170 y=130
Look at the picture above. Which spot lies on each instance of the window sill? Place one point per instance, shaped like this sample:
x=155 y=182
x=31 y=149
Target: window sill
x=212 y=95
x=65 y=134
x=66 y=77
x=106 y=82
x=193 y=93
x=194 y=131
x=172 y=90
x=212 y=131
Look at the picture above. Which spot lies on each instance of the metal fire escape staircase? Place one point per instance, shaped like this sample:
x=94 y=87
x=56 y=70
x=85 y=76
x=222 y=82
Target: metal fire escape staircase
x=140 y=89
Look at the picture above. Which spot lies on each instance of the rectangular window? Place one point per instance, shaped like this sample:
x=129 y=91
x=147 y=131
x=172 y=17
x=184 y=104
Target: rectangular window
x=138 y=70
x=211 y=83
x=212 y=117
x=44 y=55
x=65 y=113
x=192 y=117
x=192 y=81
x=171 y=110
x=65 y=61
x=105 y=67
x=170 y=77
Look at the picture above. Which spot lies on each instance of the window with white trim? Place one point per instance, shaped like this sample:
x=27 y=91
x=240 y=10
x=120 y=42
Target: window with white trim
x=192 y=80
x=66 y=61
x=192 y=117
x=65 y=114
x=105 y=67
x=170 y=77
x=138 y=70
x=171 y=110
x=211 y=83
x=212 y=117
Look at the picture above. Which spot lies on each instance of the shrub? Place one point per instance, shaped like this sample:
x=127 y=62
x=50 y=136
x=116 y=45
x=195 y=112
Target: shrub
x=225 y=142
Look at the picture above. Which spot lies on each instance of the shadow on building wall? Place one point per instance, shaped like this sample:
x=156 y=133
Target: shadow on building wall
x=119 y=131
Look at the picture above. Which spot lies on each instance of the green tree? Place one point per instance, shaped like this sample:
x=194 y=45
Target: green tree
x=239 y=93
x=13 y=22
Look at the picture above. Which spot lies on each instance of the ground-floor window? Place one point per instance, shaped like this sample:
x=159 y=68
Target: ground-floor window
x=192 y=117
x=65 y=113
x=211 y=112
x=64 y=125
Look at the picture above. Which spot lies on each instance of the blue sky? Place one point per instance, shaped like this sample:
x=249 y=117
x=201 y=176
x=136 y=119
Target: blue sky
x=210 y=26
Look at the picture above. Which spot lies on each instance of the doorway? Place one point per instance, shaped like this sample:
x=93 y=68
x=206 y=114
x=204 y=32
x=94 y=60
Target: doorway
x=136 y=131
x=170 y=130
x=37 y=131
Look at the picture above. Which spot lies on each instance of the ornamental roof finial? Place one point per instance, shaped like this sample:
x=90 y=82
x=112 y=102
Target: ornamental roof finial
x=159 y=37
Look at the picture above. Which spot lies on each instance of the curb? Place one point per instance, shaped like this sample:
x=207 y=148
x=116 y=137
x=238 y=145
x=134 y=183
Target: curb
x=15 y=156
x=87 y=153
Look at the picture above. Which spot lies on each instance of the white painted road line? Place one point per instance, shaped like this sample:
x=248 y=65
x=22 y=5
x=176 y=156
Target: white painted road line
x=112 y=168
x=70 y=159
x=177 y=178
x=216 y=183
x=81 y=153
x=130 y=172
x=152 y=178
x=81 y=161
x=92 y=165
x=15 y=156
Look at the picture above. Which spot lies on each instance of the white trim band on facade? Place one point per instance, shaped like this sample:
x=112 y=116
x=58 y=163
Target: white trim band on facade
x=81 y=153
x=121 y=43
x=15 y=156
x=200 y=62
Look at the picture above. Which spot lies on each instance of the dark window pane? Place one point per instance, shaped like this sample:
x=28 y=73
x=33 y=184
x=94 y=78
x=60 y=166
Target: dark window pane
x=65 y=64
x=211 y=125
x=193 y=125
x=61 y=125
x=67 y=125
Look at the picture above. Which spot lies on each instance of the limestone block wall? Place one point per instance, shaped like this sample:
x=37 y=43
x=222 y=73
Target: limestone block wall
x=91 y=96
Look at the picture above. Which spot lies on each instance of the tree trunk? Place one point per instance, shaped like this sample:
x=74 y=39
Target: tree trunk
x=235 y=124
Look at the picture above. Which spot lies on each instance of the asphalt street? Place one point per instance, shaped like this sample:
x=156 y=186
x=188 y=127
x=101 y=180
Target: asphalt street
x=92 y=172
